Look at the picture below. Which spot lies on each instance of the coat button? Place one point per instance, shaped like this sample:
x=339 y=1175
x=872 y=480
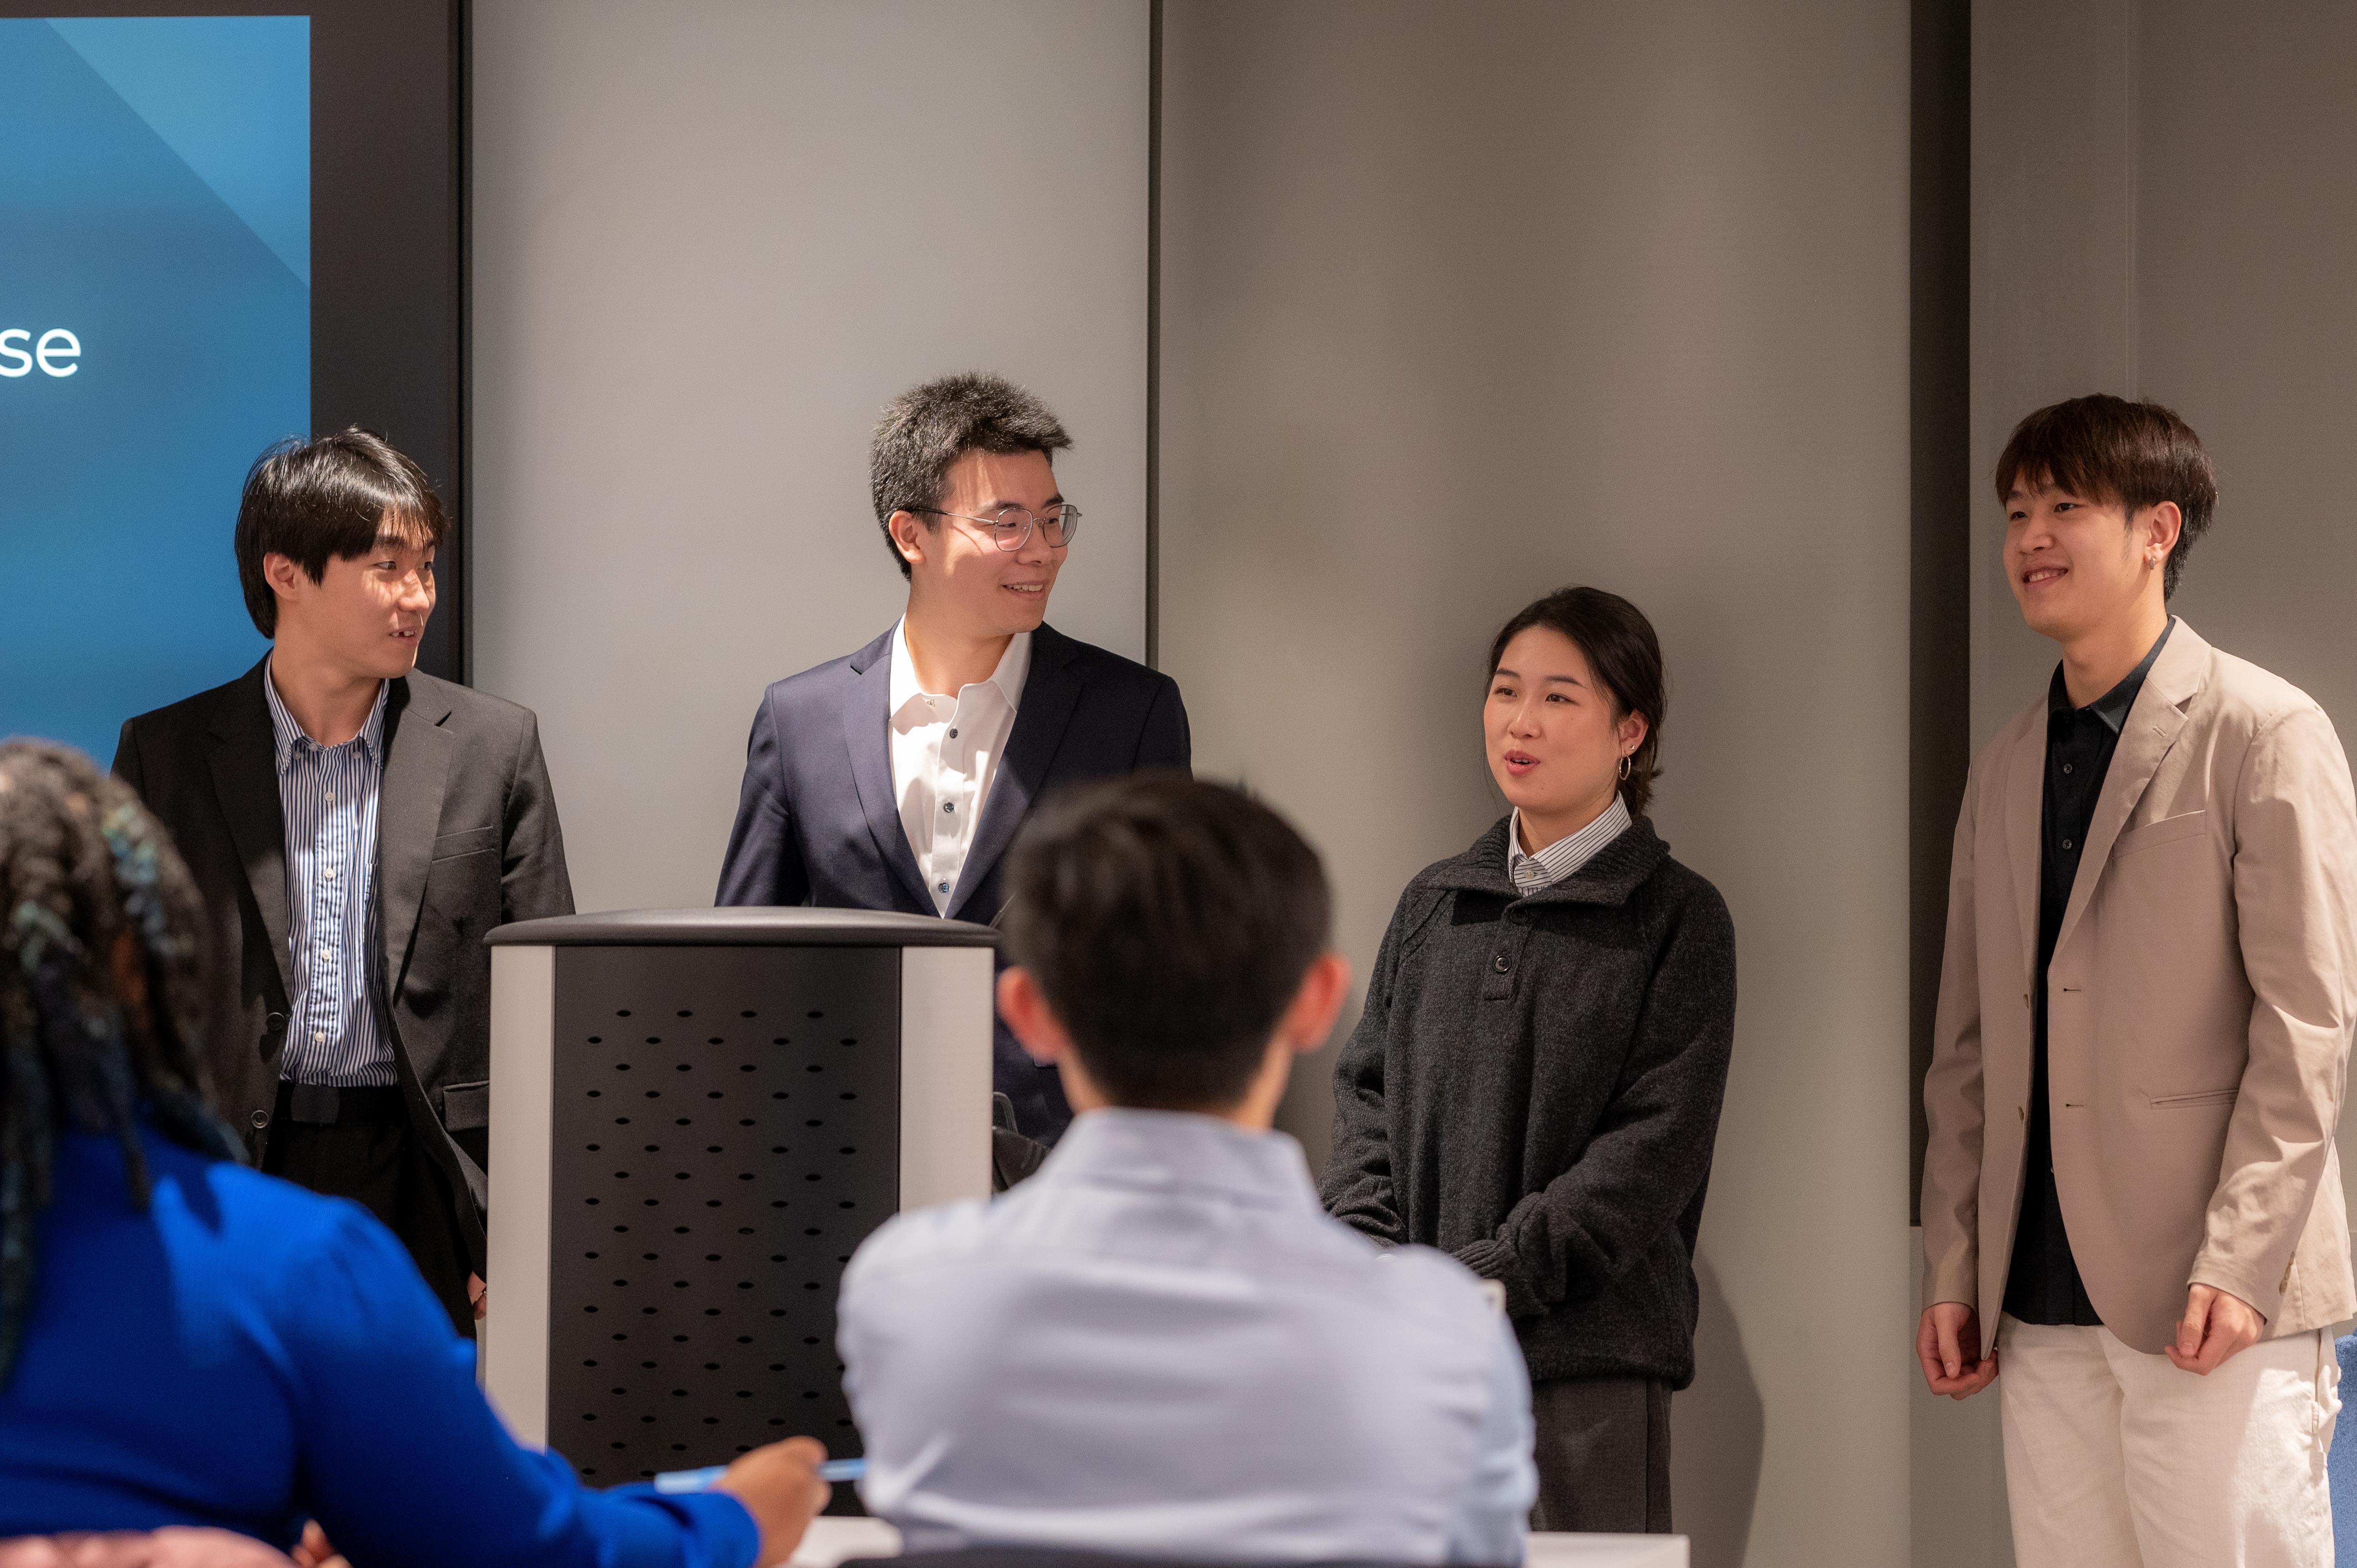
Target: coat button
x=1499 y=963
x=273 y=1024
x=260 y=1119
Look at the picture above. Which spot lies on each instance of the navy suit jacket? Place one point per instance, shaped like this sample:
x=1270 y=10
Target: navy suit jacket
x=818 y=822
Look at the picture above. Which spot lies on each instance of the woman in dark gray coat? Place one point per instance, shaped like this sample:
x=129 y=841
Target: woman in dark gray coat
x=1536 y=1082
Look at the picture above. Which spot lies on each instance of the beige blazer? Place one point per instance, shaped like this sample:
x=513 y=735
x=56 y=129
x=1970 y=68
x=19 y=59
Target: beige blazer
x=2201 y=996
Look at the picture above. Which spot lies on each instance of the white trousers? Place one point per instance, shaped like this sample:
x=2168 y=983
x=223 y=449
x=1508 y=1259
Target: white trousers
x=2117 y=1459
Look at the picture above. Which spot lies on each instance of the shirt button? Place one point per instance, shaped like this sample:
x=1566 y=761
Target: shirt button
x=949 y=805
x=318 y=1037
x=942 y=887
x=330 y=872
x=953 y=735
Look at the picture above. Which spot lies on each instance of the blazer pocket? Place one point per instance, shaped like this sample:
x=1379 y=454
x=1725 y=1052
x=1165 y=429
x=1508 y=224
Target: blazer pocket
x=2152 y=835
x=465 y=1106
x=472 y=841
x=2195 y=1101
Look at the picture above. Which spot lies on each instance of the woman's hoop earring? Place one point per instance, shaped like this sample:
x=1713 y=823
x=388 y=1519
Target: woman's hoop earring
x=1624 y=763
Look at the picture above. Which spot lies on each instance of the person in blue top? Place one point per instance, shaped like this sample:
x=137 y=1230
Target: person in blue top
x=184 y=1341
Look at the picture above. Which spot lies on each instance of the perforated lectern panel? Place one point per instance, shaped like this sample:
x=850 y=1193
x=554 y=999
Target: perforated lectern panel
x=727 y=1131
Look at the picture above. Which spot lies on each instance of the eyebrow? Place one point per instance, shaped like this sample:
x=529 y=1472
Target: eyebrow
x=1056 y=500
x=1566 y=680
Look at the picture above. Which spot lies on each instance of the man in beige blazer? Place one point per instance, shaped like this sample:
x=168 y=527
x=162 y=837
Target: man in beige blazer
x=2144 y=1027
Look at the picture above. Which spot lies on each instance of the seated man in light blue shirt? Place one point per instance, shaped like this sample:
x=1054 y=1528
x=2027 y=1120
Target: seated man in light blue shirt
x=1160 y=1345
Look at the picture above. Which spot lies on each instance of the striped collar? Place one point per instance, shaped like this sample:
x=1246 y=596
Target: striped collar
x=1560 y=859
x=286 y=731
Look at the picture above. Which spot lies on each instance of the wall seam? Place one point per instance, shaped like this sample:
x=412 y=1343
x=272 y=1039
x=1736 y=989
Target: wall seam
x=2132 y=131
x=1154 y=336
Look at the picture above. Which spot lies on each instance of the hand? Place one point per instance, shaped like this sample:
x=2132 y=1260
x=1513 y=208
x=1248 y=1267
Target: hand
x=2214 y=1327
x=313 y=1551
x=780 y=1487
x=1948 y=1343
x=480 y=1293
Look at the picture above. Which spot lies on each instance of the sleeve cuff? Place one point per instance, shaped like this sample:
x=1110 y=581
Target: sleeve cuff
x=1491 y=1259
x=2236 y=1283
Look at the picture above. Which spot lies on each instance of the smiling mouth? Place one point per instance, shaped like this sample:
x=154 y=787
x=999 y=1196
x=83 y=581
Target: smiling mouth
x=1025 y=588
x=2037 y=575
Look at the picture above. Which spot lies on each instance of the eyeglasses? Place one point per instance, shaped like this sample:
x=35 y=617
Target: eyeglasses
x=1010 y=526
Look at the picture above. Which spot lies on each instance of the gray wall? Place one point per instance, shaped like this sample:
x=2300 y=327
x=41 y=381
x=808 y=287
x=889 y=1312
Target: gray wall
x=711 y=238
x=1460 y=304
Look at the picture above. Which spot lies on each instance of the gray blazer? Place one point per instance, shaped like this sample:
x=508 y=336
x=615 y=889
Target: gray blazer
x=466 y=840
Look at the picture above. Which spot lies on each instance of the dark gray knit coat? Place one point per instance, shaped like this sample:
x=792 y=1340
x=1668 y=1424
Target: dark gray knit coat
x=1534 y=1087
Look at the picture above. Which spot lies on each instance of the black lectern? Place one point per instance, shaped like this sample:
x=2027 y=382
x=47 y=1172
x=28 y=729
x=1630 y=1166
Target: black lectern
x=697 y=1114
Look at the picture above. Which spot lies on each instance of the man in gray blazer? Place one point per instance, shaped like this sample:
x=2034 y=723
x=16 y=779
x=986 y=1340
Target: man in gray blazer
x=895 y=778
x=355 y=828
x=2131 y=1195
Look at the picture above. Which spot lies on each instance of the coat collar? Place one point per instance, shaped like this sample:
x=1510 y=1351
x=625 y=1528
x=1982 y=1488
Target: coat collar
x=419 y=750
x=244 y=761
x=2178 y=676
x=1050 y=691
x=1612 y=877
x=867 y=735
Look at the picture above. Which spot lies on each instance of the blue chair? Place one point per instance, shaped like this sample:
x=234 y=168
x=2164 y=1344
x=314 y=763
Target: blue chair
x=2340 y=1464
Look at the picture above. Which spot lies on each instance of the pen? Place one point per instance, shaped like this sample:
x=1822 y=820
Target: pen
x=702 y=1480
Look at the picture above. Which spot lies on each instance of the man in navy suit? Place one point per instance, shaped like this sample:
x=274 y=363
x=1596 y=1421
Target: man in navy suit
x=896 y=778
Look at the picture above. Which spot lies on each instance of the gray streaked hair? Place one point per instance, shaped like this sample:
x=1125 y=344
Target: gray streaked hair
x=927 y=428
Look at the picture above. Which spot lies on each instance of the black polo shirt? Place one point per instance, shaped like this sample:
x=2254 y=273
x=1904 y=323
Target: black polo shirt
x=2043 y=1284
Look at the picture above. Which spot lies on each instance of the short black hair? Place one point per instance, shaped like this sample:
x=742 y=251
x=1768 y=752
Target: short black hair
x=2109 y=449
x=328 y=497
x=927 y=428
x=1169 y=923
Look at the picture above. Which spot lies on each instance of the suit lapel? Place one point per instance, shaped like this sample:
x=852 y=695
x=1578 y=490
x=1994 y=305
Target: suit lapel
x=866 y=730
x=2025 y=798
x=2149 y=730
x=1050 y=691
x=244 y=761
x=417 y=756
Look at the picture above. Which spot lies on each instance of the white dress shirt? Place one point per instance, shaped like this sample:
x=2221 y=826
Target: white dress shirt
x=945 y=752
x=1567 y=855
x=1160 y=1345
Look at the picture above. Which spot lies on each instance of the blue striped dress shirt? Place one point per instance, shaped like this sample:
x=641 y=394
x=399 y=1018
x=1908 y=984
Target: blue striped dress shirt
x=328 y=797
x=1567 y=855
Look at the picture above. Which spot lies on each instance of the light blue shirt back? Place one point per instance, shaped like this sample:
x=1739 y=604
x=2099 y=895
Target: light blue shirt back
x=1160 y=1344
x=327 y=795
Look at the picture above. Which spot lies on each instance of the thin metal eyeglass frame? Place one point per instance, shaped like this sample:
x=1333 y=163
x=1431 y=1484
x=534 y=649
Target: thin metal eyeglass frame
x=1070 y=516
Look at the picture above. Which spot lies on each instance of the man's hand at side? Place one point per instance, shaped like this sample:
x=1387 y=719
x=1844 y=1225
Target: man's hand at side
x=1948 y=1343
x=2216 y=1326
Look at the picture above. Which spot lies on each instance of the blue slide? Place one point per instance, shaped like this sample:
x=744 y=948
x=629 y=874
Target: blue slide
x=154 y=336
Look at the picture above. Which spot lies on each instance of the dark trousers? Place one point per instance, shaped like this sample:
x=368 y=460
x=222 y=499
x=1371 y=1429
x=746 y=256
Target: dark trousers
x=380 y=1166
x=1603 y=1455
